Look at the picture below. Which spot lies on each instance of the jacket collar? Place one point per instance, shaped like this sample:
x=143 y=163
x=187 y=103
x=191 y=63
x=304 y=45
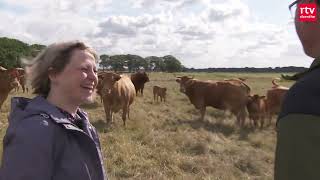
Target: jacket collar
x=314 y=65
x=45 y=109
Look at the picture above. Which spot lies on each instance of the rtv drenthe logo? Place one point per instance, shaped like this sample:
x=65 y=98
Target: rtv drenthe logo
x=307 y=12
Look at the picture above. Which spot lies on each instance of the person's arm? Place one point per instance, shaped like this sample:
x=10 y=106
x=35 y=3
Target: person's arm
x=27 y=152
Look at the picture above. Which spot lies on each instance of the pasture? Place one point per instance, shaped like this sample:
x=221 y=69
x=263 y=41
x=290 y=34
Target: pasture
x=167 y=141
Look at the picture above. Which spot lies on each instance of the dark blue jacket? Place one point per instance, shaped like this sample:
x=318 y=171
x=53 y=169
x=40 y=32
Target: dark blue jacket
x=298 y=138
x=42 y=144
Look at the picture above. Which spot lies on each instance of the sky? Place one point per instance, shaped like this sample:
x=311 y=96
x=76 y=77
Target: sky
x=200 y=33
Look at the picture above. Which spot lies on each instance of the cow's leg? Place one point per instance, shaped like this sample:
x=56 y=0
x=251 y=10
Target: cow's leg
x=154 y=97
x=124 y=114
x=261 y=122
x=129 y=113
x=269 y=117
x=236 y=113
x=241 y=116
x=108 y=112
x=202 y=112
x=108 y=116
x=256 y=119
x=142 y=90
x=23 y=88
x=3 y=98
x=269 y=109
x=251 y=120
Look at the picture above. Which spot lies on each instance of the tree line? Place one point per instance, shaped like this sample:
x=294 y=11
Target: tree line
x=132 y=63
x=13 y=50
x=251 y=69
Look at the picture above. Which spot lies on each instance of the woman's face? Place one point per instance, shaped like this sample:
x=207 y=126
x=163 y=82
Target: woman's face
x=78 y=80
x=309 y=33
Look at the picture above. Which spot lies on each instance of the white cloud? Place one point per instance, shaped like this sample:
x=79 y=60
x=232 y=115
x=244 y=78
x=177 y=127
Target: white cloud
x=201 y=33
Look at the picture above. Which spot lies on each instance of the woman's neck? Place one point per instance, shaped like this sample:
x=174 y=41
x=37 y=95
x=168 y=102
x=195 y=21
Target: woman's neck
x=62 y=102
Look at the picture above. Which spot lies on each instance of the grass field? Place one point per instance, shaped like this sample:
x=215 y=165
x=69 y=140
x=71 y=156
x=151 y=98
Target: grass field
x=166 y=141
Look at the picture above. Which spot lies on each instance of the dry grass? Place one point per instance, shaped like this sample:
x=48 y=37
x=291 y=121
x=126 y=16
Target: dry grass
x=166 y=141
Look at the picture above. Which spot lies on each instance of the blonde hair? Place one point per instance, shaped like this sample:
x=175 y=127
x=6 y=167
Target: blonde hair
x=56 y=56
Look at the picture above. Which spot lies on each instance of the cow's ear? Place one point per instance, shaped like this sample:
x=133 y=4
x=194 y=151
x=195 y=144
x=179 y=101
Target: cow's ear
x=261 y=97
x=116 y=77
x=178 y=80
x=13 y=72
x=100 y=76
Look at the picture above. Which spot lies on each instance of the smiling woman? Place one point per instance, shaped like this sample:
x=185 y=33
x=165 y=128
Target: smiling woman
x=51 y=131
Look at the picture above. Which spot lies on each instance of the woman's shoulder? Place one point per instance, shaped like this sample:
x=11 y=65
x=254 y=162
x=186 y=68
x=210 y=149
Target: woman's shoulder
x=33 y=123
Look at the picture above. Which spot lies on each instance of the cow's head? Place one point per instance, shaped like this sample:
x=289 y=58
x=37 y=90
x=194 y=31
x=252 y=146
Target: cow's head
x=144 y=77
x=9 y=80
x=109 y=78
x=254 y=99
x=182 y=80
x=140 y=77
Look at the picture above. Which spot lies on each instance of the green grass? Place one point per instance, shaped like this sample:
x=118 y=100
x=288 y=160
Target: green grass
x=166 y=141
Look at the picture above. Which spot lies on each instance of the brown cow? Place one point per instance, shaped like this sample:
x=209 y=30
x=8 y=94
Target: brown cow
x=139 y=79
x=8 y=81
x=275 y=97
x=117 y=93
x=222 y=95
x=159 y=91
x=22 y=79
x=100 y=85
x=257 y=109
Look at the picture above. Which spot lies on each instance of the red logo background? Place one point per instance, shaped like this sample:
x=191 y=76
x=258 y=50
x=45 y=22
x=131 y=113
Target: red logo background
x=307 y=12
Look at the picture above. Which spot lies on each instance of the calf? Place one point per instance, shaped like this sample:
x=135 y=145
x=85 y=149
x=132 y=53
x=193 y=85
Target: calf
x=158 y=91
x=257 y=109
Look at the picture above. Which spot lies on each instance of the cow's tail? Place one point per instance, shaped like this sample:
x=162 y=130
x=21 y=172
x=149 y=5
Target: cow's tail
x=248 y=89
x=275 y=84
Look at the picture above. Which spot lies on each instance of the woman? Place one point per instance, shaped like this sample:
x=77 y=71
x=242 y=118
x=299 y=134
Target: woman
x=49 y=136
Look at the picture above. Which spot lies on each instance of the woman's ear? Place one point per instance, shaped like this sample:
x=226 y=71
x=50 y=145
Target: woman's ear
x=51 y=74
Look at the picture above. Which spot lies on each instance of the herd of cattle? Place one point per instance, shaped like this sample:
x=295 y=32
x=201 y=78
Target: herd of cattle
x=118 y=92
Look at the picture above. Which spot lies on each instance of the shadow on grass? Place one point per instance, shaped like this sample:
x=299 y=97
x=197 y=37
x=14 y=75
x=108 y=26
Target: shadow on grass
x=225 y=129
x=100 y=125
x=245 y=131
x=215 y=127
x=93 y=105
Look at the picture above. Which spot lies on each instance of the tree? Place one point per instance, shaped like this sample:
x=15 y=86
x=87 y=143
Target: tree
x=12 y=50
x=172 y=64
x=104 y=61
x=156 y=63
x=117 y=62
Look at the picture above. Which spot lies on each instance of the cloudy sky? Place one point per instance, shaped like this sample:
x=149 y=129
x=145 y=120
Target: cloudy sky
x=200 y=33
